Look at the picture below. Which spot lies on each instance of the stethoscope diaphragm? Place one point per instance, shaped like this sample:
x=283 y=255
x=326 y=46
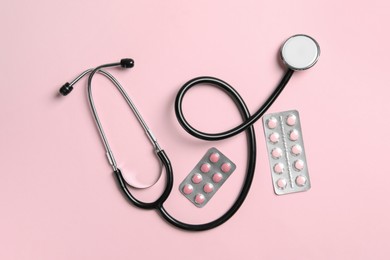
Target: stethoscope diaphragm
x=300 y=52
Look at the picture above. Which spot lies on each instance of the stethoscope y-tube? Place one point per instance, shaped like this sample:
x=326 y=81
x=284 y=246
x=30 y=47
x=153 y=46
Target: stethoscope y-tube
x=247 y=126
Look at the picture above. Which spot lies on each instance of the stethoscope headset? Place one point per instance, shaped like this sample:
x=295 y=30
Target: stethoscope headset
x=298 y=52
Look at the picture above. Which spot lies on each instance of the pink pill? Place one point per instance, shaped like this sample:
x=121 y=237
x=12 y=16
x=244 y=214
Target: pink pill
x=272 y=123
x=300 y=180
x=279 y=168
x=281 y=183
x=294 y=135
x=217 y=177
x=296 y=149
x=214 y=157
x=197 y=178
x=205 y=167
x=208 y=187
x=276 y=153
x=299 y=164
x=274 y=137
x=188 y=189
x=226 y=167
x=199 y=198
x=291 y=120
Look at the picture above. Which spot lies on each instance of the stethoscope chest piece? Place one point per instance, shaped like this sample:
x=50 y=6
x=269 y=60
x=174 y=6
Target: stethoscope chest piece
x=300 y=52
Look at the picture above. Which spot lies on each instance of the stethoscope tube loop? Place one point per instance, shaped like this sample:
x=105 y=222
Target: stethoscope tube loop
x=232 y=92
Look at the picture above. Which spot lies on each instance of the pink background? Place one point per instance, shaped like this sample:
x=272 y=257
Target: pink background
x=58 y=197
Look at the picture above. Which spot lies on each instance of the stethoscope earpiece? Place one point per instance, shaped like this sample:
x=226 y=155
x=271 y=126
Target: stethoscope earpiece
x=66 y=89
x=300 y=52
x=127 y=63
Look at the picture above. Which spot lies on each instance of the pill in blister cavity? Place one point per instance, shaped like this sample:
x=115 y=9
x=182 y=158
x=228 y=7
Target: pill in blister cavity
x=197 y=178
x=274 y=137
x=291 y=119
x=208 y=187
x=207 y=177
x=294 y=135
x=214 y=157
x=296 y=149
x=287 y=159
x=300 y=180
x=276 y=153
x=226 y=167
x=279 y=168
x=282 y=183
x=272 y=122
x=199 y=198
x=188 y=189
x=298 y=165
x=205 y=167
x=217 y=177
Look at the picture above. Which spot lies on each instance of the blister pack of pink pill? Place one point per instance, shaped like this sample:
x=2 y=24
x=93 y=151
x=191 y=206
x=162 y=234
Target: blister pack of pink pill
x=207 y=177
x=286 y=152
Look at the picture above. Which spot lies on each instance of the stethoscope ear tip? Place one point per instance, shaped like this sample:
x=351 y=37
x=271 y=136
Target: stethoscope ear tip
x=300 y=52
x=66 y=89
x=127 y=63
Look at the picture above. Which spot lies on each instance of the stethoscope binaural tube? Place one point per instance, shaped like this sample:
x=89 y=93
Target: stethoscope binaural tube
x=124 y=63
x=293 y=55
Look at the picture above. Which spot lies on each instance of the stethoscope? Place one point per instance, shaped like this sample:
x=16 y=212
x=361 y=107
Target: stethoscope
x=298 y=52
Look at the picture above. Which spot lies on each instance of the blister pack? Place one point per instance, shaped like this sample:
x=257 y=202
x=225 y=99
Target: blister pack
x=286 y=152
x=207 y=177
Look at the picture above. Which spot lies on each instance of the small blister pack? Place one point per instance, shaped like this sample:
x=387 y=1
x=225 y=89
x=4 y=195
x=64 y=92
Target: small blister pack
x=286 y=152
x=207 y=177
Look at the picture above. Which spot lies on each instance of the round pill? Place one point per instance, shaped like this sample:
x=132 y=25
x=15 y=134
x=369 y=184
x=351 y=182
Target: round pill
x=188 y=189
x=281 y=183
x=214 y=157
x=296 y=149
x=276 y=153
x=298 y=165
x=272 y=122
x=208 y=187
x=300 y=180
x=291 y=120
x=226 y=167
x=199 y=198
x=197 y=178
x=279 y=168
x=274 y=137
x=294 y=135
x=217 y=177
x=205 y=167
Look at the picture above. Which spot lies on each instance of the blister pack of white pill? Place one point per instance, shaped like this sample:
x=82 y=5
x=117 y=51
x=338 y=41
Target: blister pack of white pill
x=207 y=177
x=286 y=153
